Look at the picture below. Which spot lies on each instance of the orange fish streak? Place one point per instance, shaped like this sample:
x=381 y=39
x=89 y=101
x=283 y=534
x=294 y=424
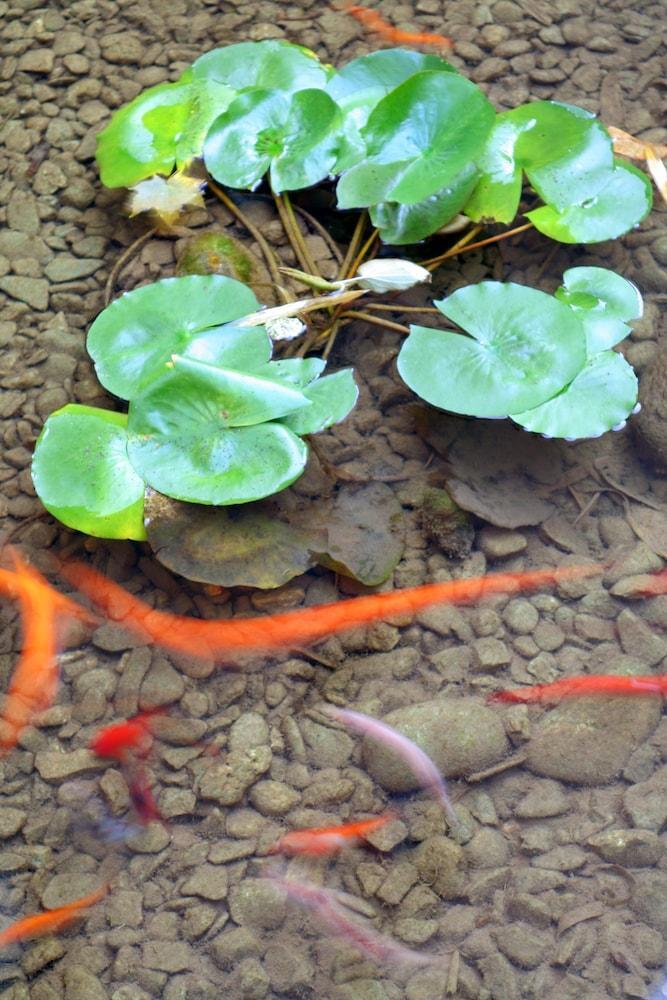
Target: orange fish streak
x=584 y=686
x=34 y=683
x=328 y=839
x=213 y=639
x=50 y=921
x=372 y=21
x=118 y=739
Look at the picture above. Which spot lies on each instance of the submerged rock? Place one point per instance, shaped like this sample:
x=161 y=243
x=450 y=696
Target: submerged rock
x=461 y=736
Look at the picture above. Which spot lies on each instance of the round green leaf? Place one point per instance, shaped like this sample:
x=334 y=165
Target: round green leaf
x=603 y=300
x=268 y=65
x=619 y=206
x=498 y=192
x=419 y=138
x=197 y=458
x=359 y=85
x=400 y=224
x=243 y=348
x=235 y=399
x=163 y=127
x=300 y=140
x=293 y=371
x=600 y=398
x=332 y=398
x=133 y=338
x=524 y=345
x=83 y=476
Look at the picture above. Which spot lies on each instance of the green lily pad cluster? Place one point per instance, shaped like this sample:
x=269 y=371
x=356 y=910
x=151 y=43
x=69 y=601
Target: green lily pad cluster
x=545 y=361
x=406 y=135
x=211 y=419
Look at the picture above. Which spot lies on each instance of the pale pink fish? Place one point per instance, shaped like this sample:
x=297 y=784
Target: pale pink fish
x=370 y=942
x=419 y=762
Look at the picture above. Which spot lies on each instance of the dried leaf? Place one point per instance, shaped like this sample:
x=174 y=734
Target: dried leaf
x=637 y=149
x=649 y=525
x=167 y=197
x=587 y=911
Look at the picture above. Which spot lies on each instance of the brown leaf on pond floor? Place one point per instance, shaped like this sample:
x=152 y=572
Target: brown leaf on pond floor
x=358 y=532
x=166 y=197
x=650 y=525
x=496 y=470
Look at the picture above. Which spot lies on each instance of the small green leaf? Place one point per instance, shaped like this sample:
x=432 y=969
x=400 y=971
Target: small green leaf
x=332 y=398
x=200 y=460
x=298 y=140
x=600 y=398
x=293 y=371
x=267 y=65
x=603 y=300
x=83 y=476
x=524 y=345
x=419 y=138
x=400 y=224
x=243 y=348
x=238 y=399
x=133 y=338
x=619 y=206
x=163 y=127
x=498 y=192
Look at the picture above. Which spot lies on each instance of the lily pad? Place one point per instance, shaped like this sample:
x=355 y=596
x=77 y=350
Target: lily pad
x=524 y=344
x=601 y=396
x=331 y=399
x=133 y=338
x=298 y=140
x=359 y=533
x=603 y=301
x=83 y=476
x=267 y=65
x=419 y=139
x=165 y=126
x=619 y=206
x=399 y=224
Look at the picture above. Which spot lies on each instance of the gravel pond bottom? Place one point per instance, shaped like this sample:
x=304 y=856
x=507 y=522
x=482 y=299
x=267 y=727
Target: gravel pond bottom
x=555 y=883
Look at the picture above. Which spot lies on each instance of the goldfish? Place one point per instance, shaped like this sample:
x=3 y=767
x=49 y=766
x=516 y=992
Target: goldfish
x=143 y=800
x=372 y=21
x=328 y=839
x=49 y=921
x=121 y=738
x=584 y=686
x=417 y=760
x=368 y=941
x=34 y=683
x=212 y=639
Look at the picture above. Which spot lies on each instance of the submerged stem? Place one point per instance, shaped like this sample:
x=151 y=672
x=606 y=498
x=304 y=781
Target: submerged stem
x=122 y=261
x=293 y=233
x=462 y=246
x=354 y=245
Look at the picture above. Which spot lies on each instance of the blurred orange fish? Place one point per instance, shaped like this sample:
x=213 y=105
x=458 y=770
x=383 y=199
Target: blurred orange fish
x=212 y=639
x=34 y=683
x=372 y=21
x=49 y=921
x=584 y=686
x=328 y=839
x=121 y=738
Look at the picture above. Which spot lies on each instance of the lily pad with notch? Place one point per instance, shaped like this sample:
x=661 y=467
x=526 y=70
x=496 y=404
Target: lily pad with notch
x=604 y=301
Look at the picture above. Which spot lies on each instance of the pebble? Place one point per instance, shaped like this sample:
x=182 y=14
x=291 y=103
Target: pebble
x=524 y=945
x=646 y=802
x=124 y=908
x=545 y=798
x=649 y=899
x=631 y=848
x=227 y=782
x=233 y=945
x=81 y=984
x=490 y=654
x=63 y=889
x=274 y=798
x=65 y=267
x=441 y=865
x=11 y=821
x=33 y=291
x=36 y=61
x=589 y=741
x=257 y=903
x=162 y=685
x=640 y=641
x=207 y=881
x=54 y=765
x=168 y=956
x=461 y=736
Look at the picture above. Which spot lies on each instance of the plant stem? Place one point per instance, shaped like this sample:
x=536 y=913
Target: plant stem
x=293 y=233
x=380 y=307
x=354 y=245
x=319 y=228
x=375 y=320
x=269 y=255
x=362 y=254
x=122 y=261
x=458 y=248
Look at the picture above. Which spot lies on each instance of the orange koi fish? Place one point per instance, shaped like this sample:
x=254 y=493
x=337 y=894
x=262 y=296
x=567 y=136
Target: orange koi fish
x=583 y=686
x=212 y=639
x=651 y=584
x=121 y=738
x=49 y=921
x=34 y=683
x=143 y=800
x=372 y=21
x=328 y=839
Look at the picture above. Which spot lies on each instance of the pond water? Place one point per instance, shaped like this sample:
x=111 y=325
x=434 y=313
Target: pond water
x=554 y=883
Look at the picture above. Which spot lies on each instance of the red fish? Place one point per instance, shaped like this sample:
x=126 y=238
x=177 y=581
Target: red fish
x=121 y=738
x=212 y=639
x=34 y=683
x=651 y=584
x=49 y=921
x=143 y=800
x=372 y=21
x=328 y=839
x=584 y=686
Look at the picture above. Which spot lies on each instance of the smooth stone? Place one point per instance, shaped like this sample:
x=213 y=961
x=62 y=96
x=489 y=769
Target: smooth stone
x=168 y=956
x=646 y=802
x=33 y=291
x=630 y=848
x=460 y=735
x=65 y=267
x=228 y=781
x=81 y=984
x=11 y=821
x=257 y=903
x=207 y=881
x=56 y=766
x=63 y=889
